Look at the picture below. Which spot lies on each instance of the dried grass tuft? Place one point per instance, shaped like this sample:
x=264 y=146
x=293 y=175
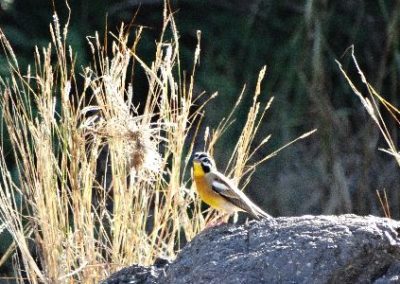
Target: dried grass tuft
x=67 y=224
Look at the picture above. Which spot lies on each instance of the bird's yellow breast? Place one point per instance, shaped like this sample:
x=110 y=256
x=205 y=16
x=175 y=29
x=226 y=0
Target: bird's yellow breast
x=207 y=194
x=198 y=170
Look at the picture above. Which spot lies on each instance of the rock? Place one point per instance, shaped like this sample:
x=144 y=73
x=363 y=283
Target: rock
x=138 y=274
x=307 y=249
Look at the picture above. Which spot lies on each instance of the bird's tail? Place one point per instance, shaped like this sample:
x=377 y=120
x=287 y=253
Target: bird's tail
x=264 y=214
x=259 y=213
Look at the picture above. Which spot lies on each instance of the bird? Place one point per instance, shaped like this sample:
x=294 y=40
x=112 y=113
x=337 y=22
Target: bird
x=218 y=191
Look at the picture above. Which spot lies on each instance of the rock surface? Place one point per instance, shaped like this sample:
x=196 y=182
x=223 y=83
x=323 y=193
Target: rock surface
x=307 y=249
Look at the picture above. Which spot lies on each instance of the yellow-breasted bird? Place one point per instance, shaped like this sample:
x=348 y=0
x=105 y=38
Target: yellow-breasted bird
x=218 y=191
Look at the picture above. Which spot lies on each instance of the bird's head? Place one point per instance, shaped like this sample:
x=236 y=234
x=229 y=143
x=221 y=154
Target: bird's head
x=202 y=162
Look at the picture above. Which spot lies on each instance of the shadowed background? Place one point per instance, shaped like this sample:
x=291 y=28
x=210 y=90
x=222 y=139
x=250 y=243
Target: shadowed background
x=338 y=169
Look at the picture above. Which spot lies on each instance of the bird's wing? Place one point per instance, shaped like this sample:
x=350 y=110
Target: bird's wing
x=229 y=191
x=224 y=186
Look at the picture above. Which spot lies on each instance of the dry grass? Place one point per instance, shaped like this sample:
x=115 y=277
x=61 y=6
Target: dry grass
x=372 y=103
x=69 y=226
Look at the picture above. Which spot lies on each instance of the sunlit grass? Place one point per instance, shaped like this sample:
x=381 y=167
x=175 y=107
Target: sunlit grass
x=69 y=225
x=371 y=103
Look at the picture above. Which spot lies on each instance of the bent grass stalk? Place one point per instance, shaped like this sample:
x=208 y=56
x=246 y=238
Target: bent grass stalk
x=371 y=105
x=83 y=227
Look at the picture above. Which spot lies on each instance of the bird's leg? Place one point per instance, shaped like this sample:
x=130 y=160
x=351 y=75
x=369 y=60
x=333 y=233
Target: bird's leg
x=223 y=219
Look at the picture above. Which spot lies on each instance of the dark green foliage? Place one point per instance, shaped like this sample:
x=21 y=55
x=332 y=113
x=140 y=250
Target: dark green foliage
x=336 y=171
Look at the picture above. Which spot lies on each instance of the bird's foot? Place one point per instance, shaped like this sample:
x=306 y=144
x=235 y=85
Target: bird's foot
x=218 y=221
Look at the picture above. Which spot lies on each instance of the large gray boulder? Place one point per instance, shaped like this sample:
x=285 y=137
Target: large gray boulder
x=307 y=249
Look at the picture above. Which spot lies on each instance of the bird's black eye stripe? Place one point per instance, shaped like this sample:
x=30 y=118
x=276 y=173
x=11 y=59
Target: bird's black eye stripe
x=206 y=167
x=205 y=160
x=200 y=155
